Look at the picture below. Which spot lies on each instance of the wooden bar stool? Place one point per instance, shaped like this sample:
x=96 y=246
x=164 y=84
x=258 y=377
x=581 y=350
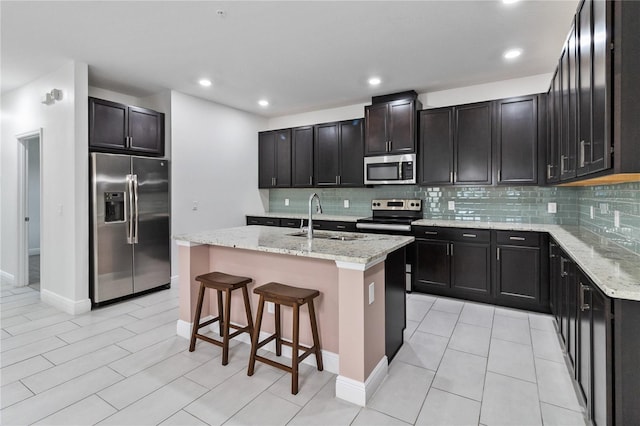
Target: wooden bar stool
x=226 y=283
x=295 y=297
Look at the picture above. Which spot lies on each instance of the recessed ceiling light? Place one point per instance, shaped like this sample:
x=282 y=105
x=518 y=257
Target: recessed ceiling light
x=263 y=103
x=510 y=1
x=204 y=82
x=374 y=81
x=512 y=53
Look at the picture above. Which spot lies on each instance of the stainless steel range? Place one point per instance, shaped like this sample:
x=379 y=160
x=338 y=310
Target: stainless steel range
x=392 y=216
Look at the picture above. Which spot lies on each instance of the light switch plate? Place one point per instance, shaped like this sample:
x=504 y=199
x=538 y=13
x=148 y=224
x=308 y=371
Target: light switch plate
x=552 y=208
x=451 y=205
x=592 y=212
x=616 y=218
x=286 y=201
x=372 y=293
x=346 y=204
x=271 y=308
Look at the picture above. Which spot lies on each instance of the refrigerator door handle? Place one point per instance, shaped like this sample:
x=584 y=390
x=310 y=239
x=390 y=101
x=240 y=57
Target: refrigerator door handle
x=135 y=204
x=129 y=215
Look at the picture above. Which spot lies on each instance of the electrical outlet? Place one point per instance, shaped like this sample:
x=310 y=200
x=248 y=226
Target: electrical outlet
x=372 y=293
x=552 y=208
x=346 y=204
x=286 y=201
x=592 y=212
x=271 y=308
x=604 y=208
x=451 y=205
x=194 y=207
x=616 y=218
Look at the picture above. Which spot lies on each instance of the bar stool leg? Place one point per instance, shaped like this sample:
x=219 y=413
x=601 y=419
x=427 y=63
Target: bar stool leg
x=294 y=349
x=278 y=330
x=220 y=312
x=314 y=332
x=254 y=338
x=247 y=308
x=225 y=329
x=196 y=319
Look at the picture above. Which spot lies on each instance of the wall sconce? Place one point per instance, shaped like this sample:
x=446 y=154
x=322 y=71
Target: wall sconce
x=52 y=96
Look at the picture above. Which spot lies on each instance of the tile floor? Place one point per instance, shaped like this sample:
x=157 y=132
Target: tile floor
x=462 y=364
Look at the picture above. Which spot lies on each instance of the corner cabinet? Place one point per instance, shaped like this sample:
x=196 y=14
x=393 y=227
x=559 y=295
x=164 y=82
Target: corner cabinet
x=119 y=128
x=274 y=159
x=338 y=159
x=391 y=124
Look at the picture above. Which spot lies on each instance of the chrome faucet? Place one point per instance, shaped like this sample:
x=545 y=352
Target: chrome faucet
x=318 y=210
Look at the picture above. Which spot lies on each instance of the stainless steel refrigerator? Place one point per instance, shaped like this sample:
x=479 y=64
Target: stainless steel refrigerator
x=129 y=235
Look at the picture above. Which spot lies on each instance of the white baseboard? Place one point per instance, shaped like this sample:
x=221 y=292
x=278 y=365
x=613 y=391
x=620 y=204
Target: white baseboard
x=360 y=392
x=7 y=278
x=330 y=360
x=175 y=280
x=66 y=305
x=34 y=251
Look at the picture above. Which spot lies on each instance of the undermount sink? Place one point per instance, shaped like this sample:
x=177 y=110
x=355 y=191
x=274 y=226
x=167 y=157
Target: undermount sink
x=327 y=236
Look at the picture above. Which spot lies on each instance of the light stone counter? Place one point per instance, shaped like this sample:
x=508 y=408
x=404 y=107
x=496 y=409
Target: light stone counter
x=363 y=249
x=614 y=269
x=336 y=218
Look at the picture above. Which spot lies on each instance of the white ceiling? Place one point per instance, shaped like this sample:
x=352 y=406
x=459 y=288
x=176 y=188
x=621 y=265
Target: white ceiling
x=301 y=55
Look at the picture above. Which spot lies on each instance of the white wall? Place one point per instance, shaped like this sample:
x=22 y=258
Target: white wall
x=64 y=250
x=214 y=160
x=34 y=195
x=462 y=95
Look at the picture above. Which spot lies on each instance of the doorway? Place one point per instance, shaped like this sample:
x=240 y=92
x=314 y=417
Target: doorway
x=30 y=212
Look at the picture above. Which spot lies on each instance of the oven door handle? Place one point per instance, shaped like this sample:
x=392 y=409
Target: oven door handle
x=384 y=227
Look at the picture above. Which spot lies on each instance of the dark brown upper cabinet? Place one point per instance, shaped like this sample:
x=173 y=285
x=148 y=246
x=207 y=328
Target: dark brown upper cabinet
x=436 y=146
x=274 y=159
x=569 y=112
x=554 y=102
x=391 y=124
x=119 y=128
x=302 y=157
x=516 y=140
x=472 y=144
x=338 y=159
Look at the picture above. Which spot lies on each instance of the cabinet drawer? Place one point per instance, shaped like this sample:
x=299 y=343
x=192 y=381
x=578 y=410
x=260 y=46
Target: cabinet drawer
x=518 y=238
x=265 y=221
x=291 y=223
x=331 y=225
x=431 y=232
x=471 y=235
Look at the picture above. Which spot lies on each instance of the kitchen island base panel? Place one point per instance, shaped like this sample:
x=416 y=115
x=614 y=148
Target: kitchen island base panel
x=349 y=325
x=357 y=392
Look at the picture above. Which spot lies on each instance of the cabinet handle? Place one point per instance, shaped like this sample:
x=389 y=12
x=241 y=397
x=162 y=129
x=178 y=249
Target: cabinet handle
x=562 y=160
x=451 y=177
x=469 y=235
x=582 y=153
x=390 y=145
x=455 y=177
x=517 y=238
x=563 y=273
x=448 y=249
x=498 y=254
x=310 y=180
x=430 y=232
x=341 y=227
x=548 y=171
x=584 y=306
x=339 y=180
x=451 y=249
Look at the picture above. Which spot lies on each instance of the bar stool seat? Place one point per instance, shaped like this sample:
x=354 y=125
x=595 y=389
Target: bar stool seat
x=281 y=294
x=222 y=283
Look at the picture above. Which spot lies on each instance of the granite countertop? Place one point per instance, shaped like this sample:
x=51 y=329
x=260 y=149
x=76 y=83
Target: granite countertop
x=614 y=269
x=316 y=216
x=364 y=248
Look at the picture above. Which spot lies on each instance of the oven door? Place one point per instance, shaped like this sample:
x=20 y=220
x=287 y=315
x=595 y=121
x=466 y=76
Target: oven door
x=390 y=169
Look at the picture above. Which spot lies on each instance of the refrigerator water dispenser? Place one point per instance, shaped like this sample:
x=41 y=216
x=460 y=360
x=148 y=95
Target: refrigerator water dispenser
x=114 y=207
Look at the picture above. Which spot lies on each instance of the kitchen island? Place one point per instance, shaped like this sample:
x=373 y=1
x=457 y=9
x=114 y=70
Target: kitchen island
x=350 y=270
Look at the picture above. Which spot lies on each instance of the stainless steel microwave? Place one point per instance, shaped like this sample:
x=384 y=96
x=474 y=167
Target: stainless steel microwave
x=390 y=169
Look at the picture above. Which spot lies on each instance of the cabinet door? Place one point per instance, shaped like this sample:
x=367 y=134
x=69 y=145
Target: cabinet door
x=583 y=335
x=569 y=319
x=376 y=134
x=351 y=155
x=472 y=139
x=146 y=131
x=402 y=127
x=470 y=270
x=327 y=154
x=517 y=140
x=302 y=156
x=107 y=124
x=585 y=44
x=518 y=270
x=432 y=264
x=553 y=145
x=436 y=146
x=600 y=136
x=568 y=120
x=266 y=159
x=601 y=358
x=555 y=282
x=283 y=158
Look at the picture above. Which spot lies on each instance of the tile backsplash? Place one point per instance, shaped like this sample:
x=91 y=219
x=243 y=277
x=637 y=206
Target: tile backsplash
x=599 y=206
x=592 y=207
x=521 y=204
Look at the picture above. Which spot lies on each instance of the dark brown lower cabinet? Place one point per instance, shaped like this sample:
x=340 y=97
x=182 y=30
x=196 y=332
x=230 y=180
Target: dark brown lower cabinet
x=470 y=267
